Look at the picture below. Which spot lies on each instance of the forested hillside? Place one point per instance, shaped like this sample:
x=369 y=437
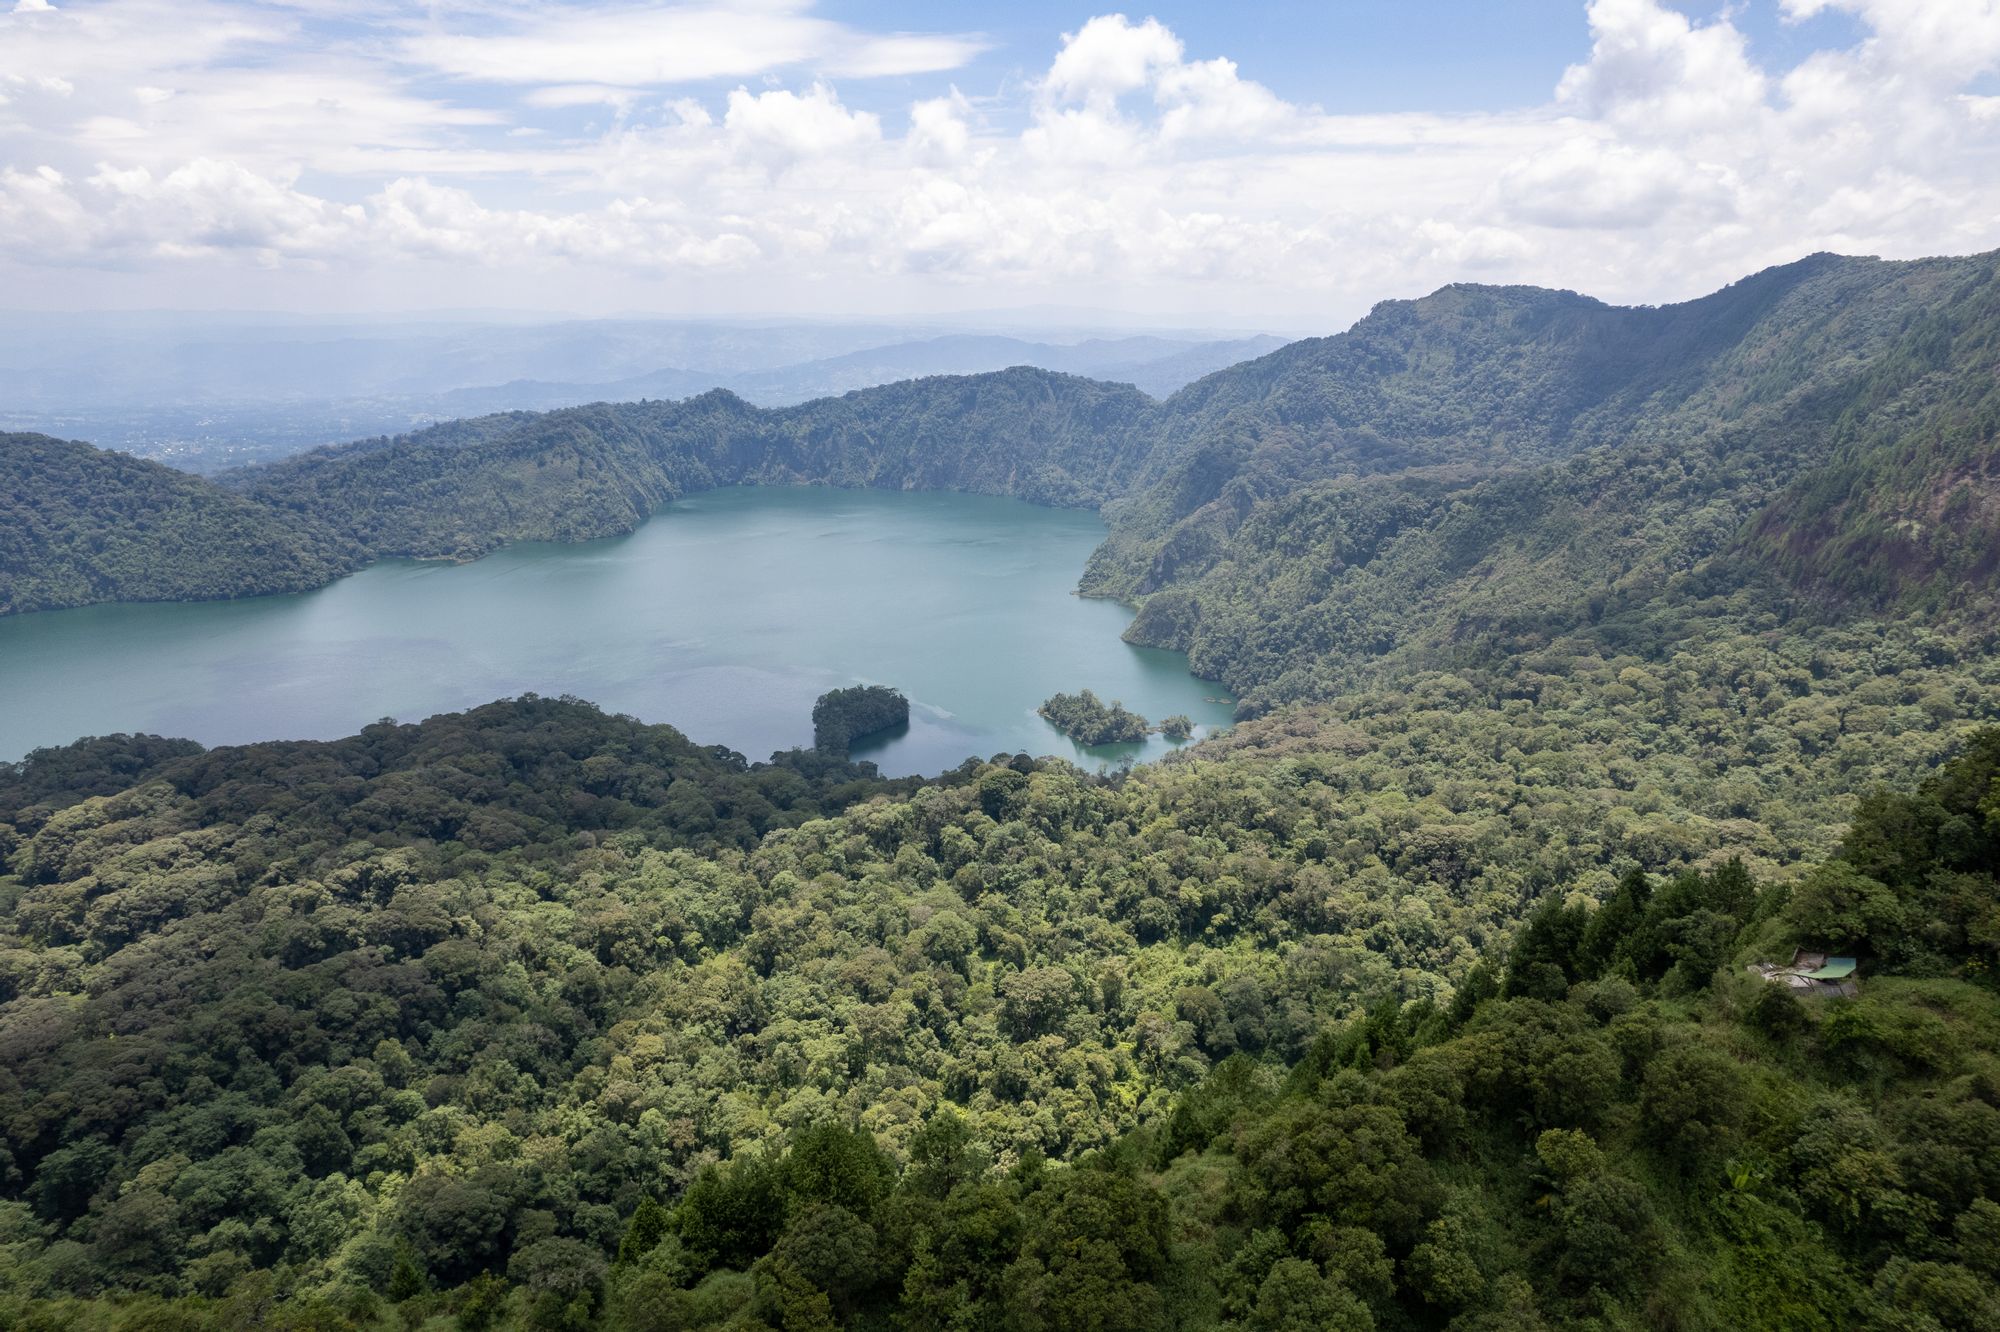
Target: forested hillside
x=1587 y=656
x=539 y=1017
x=1307 y=532
x=467 y=488
x=1469 y=470
x=78 y=525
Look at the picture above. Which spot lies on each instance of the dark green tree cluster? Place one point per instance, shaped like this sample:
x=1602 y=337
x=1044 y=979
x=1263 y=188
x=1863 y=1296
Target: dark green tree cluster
x=1088 y=720
x=842 y=716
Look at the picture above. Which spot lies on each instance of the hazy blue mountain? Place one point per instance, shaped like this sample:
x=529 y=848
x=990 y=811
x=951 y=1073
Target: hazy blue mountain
x=1158 y=365
x=208 y=393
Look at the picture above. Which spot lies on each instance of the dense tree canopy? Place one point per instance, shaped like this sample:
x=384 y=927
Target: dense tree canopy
x=1588 y=656
x=537 y=1016
x=78 y=525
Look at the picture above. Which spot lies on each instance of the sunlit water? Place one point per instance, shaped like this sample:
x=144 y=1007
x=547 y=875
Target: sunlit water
x=726 y=616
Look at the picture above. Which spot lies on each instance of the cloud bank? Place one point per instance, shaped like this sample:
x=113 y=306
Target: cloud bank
x=199 y=138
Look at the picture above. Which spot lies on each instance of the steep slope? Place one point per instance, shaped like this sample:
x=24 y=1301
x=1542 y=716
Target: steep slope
x=1313 y=560
x=1482 y=378
x=1906 y=506
x=79 y=525
x=469 y=487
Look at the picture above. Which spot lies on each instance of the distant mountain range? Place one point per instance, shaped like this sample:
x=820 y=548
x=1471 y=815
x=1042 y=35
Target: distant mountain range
x=1157 y=365
x=205 y=395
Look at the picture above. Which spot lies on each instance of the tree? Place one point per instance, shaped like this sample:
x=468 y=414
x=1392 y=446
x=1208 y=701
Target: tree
x=1543 y=963
x=1837 y=907
x=836 y=1165
x=1609 y=1233
x=833 y=1249
x=1354 y=1163
x=1295 y=1297
x=731 y=1214
x=650 y=1224
x=406 y=1278
x=564 y=1279
x=1443 y=1269
x=1086 y=719
x=1693 y=1099
x=1612 y=923
x=1095 y=1257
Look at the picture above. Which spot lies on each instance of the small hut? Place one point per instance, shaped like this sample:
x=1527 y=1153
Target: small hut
x=1813 y=975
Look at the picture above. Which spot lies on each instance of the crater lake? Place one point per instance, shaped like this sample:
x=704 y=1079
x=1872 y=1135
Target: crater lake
x=725 y=616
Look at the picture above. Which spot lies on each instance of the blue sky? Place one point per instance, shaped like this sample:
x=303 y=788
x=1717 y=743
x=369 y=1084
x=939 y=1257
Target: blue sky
x=1295 y=159
x=1351 y=55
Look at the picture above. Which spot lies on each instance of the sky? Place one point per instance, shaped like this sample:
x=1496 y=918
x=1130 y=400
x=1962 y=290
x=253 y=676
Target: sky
x=1285 y=162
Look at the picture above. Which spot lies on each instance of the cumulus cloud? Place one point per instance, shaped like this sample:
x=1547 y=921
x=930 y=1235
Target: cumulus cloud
x=1120 y=91
x=779 y=128
x=1942 y=40
x=1108 y=57
x=1654 y=73
x=140 y=133
x=941 y=129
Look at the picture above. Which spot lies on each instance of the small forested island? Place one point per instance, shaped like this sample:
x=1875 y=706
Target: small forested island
x=1088 y=720
x=842 y=716
x=1177 y=727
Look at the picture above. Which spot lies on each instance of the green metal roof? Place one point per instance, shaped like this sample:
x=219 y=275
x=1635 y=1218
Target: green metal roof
x=1836 y=968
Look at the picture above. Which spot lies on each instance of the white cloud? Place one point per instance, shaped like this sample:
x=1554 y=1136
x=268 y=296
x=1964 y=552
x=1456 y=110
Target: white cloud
x=203 y=136
x=1207 y=99
x=1656 y=74
x=1079 y=119
x=1476 y=248
x=1946 y=40
x=779 y=128
x=940 y=129
x=581 y=94
x=1108 y=57
x=1587 y=183
x=649 y=45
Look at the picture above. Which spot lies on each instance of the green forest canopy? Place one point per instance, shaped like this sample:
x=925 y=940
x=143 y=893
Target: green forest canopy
x=1588 y=655
x=540 y=1015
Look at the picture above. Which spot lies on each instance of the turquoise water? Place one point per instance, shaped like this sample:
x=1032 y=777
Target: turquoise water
x=725 y=616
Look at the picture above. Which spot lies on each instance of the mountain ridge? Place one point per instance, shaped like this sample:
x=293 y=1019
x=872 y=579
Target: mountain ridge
x=1475 y=447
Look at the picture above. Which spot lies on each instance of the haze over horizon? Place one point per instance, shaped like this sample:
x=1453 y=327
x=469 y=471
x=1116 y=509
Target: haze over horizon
x=1293 y=164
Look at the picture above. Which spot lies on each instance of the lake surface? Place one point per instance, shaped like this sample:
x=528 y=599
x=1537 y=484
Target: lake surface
x=725 y=616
